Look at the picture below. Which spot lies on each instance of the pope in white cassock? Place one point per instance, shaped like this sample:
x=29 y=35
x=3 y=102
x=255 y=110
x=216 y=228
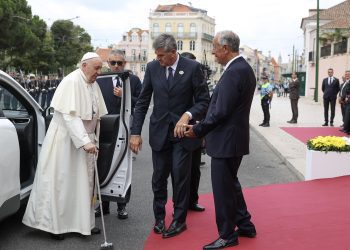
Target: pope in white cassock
x=61 y=200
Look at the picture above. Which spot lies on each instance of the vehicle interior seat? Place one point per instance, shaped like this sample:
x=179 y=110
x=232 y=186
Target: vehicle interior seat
x=109 y=127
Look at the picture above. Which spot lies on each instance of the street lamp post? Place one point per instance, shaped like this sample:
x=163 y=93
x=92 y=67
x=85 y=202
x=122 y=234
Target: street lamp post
x=317 y=50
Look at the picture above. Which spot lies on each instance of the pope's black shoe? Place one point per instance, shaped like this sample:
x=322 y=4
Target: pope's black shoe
x=159 y=226
x=196 y=207
x=221 y=243
x=57 y=236
x=95 y=230
x=98 y=211
x=248 y=234
x=174 y=229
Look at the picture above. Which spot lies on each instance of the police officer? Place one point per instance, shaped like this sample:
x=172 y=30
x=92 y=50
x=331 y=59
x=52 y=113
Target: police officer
x=266 y=93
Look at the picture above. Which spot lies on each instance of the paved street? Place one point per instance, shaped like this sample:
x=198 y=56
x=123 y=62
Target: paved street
x=261 y=167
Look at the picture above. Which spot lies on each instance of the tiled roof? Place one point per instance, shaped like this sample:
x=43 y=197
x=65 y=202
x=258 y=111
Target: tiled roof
x=103 y=53
x=341 y=10
x=139 y=31
x=178 y=8
x=341 y=23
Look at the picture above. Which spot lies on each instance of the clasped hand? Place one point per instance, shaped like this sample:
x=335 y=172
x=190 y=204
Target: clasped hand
x=90 y=148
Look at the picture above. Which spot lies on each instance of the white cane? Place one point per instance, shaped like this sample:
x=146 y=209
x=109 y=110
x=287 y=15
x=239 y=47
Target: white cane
x=105 y=245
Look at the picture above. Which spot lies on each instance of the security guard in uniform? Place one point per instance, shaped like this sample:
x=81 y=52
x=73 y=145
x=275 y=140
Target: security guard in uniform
x=266 y=93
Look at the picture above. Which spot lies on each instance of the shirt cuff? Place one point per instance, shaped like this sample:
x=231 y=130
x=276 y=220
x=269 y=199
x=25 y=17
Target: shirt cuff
x=189 y=114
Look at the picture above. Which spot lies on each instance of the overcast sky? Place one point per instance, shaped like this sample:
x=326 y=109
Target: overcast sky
x=269 y=25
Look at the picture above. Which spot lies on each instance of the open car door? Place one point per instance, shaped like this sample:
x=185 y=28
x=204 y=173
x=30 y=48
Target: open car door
x=115 y=160
x=22 y=130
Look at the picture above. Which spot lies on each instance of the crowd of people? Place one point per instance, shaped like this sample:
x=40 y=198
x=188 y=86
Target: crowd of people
x=41 y=88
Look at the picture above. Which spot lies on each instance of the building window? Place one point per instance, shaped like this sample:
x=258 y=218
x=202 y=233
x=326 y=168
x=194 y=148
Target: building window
x=179 y=45
x=143 y=67
x=134 y=37
x=193 y=30
x=192 y=45
x=180 y=30
x=156 y=29
x=124 y=38
x=167 y=27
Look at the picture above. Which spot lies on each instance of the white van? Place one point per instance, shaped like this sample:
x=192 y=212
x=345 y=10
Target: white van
x=23 y=124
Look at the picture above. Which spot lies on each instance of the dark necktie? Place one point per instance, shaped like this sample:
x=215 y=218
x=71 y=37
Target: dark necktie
x=118 y=82
x=170 y=79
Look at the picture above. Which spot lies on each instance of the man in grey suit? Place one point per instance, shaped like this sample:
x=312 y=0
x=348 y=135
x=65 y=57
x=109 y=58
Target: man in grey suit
x=294 y=86
x=180 y=96
x=112 y=91
x=330 y=89
x=226 y=127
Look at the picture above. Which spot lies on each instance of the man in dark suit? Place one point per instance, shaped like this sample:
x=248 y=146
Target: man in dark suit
x=226 y=127
x=294 y=86
x=112 y=91
x=180 y=95
x=330 y=89
x=195 y=165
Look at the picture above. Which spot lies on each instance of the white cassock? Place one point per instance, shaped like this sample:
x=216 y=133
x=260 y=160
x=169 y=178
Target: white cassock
x=63 y=188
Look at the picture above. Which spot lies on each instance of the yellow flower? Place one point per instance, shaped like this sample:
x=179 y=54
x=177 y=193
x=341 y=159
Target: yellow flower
x=329 y=143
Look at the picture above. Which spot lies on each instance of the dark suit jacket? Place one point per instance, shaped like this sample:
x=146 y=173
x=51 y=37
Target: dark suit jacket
x=294 y=89
x=113 y=103
x=227 y=121
x=330 y=91
x=188 y=93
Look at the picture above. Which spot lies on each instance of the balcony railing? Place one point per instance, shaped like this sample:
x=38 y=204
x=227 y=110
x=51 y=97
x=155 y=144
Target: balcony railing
x=177 y=35
x=341 y=47
x=136 y=58
x=207 y=37
x=326 y=50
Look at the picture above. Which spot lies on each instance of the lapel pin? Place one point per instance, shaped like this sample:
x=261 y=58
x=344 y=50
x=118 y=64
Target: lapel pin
x=181 y=72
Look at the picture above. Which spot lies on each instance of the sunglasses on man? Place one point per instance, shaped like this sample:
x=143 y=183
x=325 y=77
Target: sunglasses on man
x=119 y=63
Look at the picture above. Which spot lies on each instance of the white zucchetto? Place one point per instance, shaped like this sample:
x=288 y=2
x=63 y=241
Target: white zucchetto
x=89 y=55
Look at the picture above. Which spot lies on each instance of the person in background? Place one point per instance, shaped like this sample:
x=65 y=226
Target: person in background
x=112 y=91
x=345 y=101
x=266 y=93
x=195 y=166
x=294 y=86
x=330 y=89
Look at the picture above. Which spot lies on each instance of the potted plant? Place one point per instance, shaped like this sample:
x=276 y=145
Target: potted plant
x=327 y=157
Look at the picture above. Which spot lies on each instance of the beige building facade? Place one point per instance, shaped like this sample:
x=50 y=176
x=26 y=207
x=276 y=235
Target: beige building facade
x=192 y=28
x=134 y=43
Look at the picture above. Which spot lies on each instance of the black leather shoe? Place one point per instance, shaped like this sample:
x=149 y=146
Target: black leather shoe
x=174 y=229
x=325 y=124
x=266 y=125
x=261 y=124
x=122 y=214
x=57 y=236
x=292 y=121
x=331 y=124
x=221 y=243
x=159 y=227
x=98 y=212
x=95 y=230
x=196 y=207
x=248 y=234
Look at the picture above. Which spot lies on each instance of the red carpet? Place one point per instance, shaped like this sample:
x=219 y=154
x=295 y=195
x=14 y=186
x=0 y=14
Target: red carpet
x=304 y=134
x=310 y=215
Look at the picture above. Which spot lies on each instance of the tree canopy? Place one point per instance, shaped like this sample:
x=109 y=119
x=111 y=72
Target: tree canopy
x=28 y=44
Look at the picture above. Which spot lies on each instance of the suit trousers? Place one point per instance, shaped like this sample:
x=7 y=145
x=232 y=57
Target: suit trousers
x=326 y=102
x=195 y=175
x=294 y=105
x=173 y=159
x=230 y=207
x=347 y=118
x=266 y=111
x=342 y=107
